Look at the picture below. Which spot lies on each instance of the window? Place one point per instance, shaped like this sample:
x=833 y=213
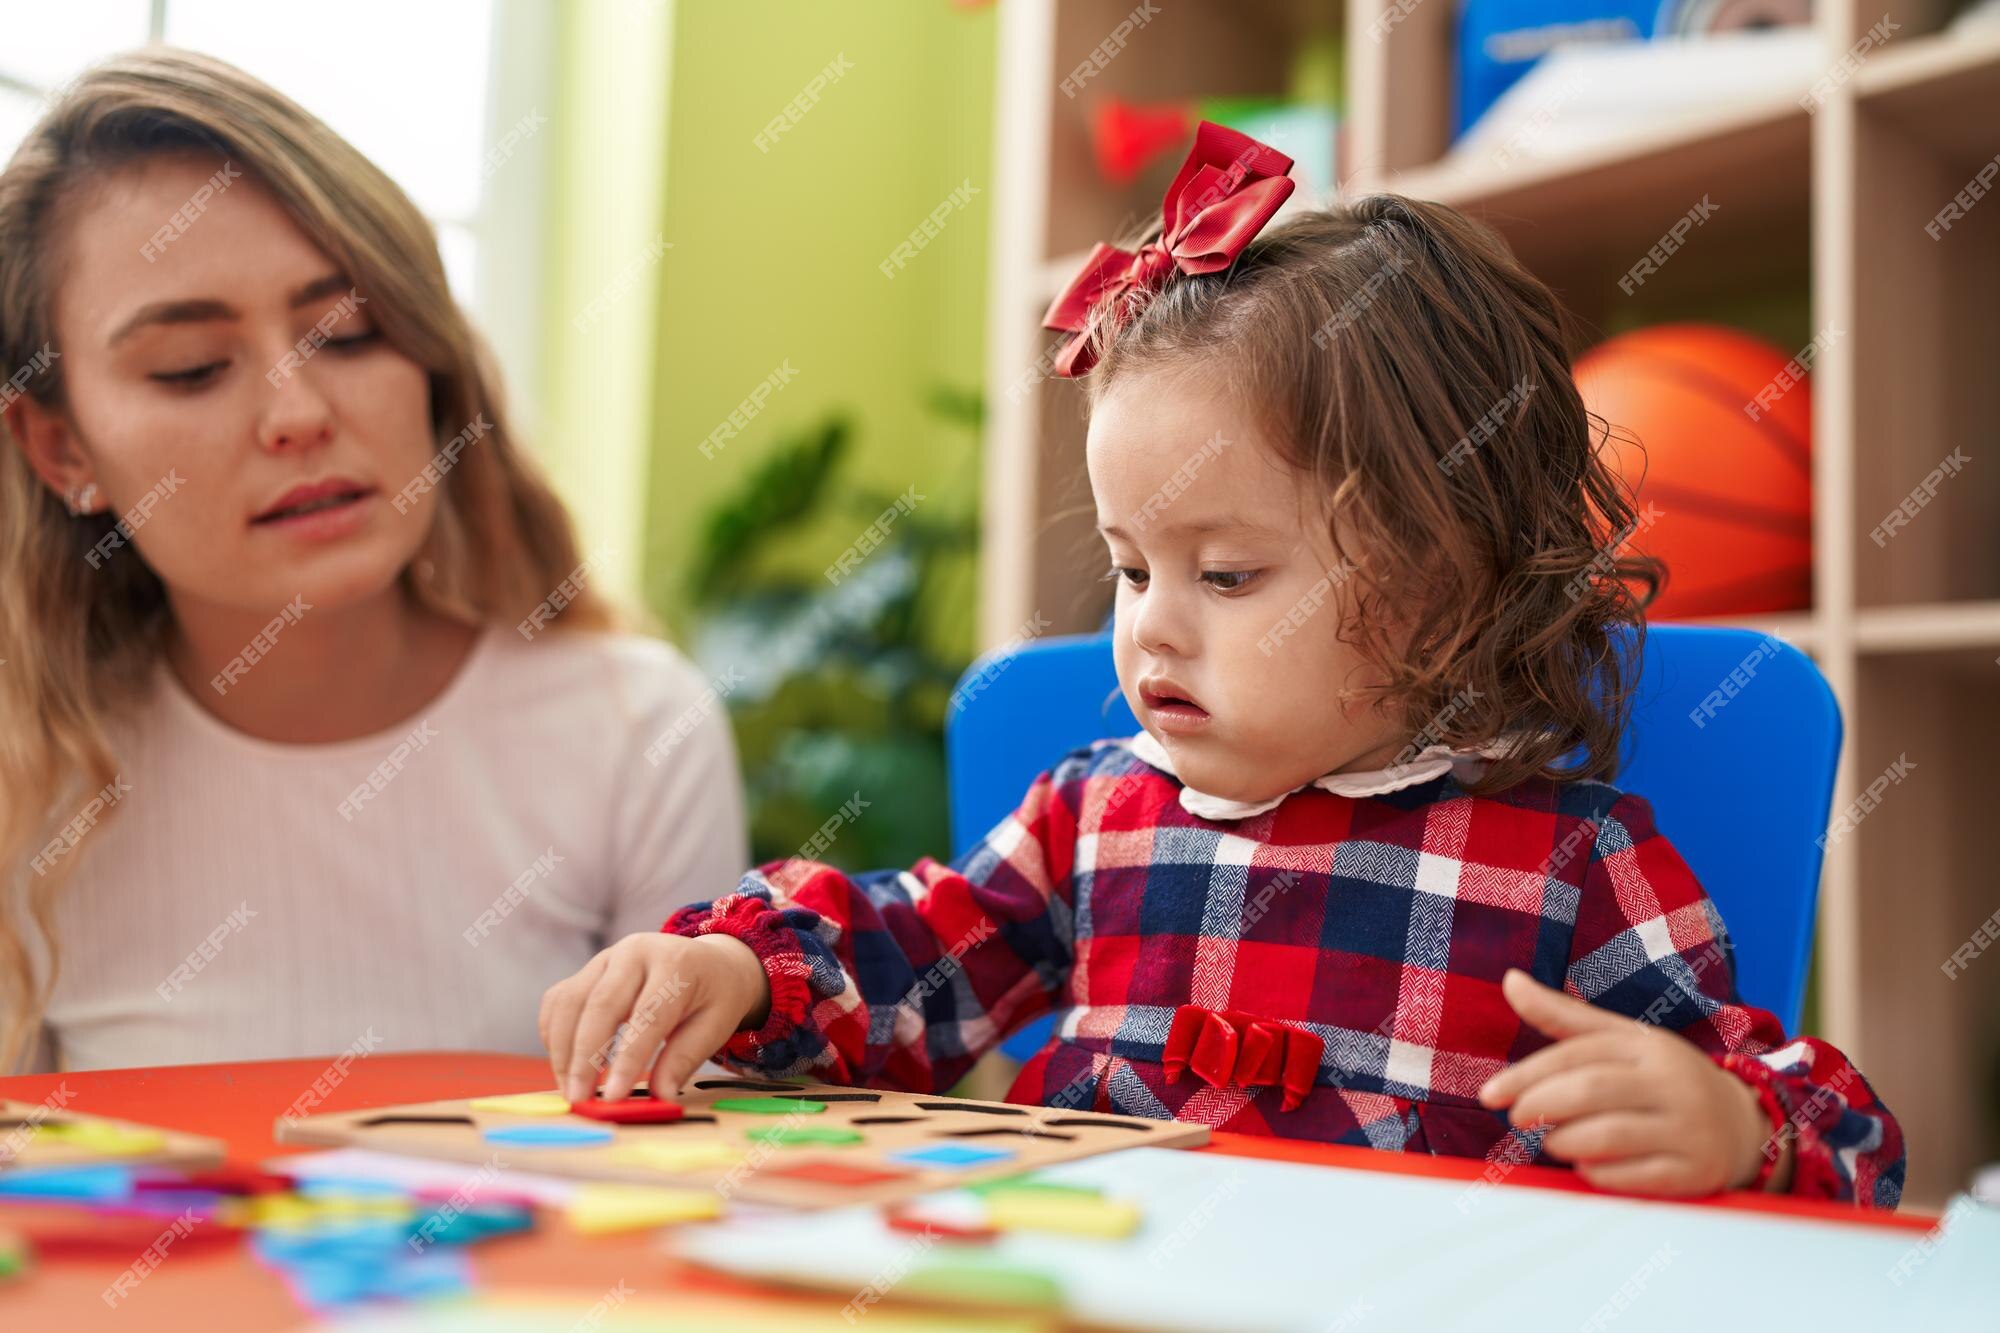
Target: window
x=412 y=85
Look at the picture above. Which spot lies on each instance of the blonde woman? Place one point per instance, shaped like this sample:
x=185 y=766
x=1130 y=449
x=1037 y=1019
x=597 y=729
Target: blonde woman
x=313 y=734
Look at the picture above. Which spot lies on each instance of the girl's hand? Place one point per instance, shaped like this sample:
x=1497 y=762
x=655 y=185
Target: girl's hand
x=691 y=994
x=1634 y=1107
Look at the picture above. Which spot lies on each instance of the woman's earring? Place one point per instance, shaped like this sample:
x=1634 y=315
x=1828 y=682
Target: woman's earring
x=83 y=499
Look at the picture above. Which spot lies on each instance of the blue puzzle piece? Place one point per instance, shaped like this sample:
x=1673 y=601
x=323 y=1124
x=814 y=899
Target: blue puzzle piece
x=549 y=1136
x=472 y=1224
x=91 y=1184
x=320 y=1187
x=951 y=1154
x=369 y=1261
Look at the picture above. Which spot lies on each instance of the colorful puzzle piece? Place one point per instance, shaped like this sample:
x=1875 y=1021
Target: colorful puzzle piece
x=477 y=1221
x=982 y=1284
x=836 y=1173
x=942 y=1228
x=676 y=1157
x=826 y=1135
x=1033 y=1185
x=548 y=1136
x=951 y=1154
x=104 y=1139
x=81 y=1183
x=598 y=1209
x=1099 y=1219
x=524 y=1103
x=40 y=1136
x=770 y=1105
x=630 y=1111
x=13 y=1255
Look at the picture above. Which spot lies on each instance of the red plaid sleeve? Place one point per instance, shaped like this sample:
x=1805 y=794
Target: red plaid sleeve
x=904 y=978
x=1650 y=944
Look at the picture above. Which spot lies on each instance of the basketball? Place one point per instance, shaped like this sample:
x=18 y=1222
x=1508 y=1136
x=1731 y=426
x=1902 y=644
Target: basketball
x=1723 y=424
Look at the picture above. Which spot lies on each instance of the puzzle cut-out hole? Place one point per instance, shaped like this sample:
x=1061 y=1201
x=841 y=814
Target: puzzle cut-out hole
x=1078 y=1122
x=746 y=1085
x=973 y=1107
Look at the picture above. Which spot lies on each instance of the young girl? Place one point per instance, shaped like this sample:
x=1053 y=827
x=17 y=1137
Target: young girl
x=1360 y=878
x=312 y=733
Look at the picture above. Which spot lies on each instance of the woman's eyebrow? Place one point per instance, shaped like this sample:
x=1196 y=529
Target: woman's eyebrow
x=201 y=309
x=171 y=312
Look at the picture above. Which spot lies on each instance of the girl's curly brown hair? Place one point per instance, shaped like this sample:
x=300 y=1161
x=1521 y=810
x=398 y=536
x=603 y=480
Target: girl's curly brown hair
x=1402 y=358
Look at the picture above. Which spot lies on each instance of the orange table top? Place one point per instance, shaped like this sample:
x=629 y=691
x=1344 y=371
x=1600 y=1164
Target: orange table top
x=239 y=1104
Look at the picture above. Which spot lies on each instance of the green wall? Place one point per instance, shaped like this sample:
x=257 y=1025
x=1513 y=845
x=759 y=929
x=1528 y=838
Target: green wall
x=602 y=220
x=776 y=253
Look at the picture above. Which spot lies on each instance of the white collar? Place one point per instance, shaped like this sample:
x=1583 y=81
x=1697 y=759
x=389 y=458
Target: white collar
x=1430 y=762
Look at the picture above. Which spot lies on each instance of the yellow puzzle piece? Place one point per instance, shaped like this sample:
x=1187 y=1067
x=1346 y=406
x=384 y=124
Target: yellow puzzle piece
x=105 y=1140
x=1071 y=1215
x=524 y=1103
x=673 y=1157
x=597 y=1209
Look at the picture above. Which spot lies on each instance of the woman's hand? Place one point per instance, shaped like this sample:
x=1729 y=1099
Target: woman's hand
x=1634 y=1107
x=691 y=993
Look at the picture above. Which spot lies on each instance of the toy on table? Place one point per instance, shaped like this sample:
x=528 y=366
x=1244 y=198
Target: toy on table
x=800 y=1145
x=33 y=1137
x=335 y=1242
x=14 y=1255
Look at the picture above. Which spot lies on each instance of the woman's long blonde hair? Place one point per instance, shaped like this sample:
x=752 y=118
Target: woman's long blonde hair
x=81 y=643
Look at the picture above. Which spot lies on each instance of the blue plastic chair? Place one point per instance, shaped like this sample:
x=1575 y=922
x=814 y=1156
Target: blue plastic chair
x=1733 y=739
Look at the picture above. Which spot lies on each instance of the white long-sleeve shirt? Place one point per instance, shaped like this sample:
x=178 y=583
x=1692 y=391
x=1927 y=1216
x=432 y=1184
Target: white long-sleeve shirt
x=413 y=890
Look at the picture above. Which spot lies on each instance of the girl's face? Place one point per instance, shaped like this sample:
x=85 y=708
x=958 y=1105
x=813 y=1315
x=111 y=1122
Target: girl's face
x=220 y=373
x=1230 y=597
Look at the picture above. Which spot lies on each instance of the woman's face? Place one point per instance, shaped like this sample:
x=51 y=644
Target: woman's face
x=219 y=372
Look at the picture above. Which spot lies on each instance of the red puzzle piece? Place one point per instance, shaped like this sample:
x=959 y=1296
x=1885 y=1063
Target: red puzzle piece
x=917 y=1224
x=631 y=1111
x=836 y=1173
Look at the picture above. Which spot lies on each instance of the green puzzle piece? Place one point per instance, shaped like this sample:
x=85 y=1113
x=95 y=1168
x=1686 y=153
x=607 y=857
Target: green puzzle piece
x=983 y=1284
x=769 y=1105
x=1026 y=1184
x=788 y=1134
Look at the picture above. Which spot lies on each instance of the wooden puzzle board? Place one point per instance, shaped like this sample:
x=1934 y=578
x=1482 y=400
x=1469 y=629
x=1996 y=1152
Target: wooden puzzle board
x=36 y=1137
x=737 y=1141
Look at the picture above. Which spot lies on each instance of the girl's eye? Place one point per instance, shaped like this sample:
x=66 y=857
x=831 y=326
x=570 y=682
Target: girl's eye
x=1230 y=580
x=1135 y=577
x=355 y=340
x=192 y=376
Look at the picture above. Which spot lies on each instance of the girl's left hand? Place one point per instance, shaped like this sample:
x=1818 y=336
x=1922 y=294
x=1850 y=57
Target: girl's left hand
x=1634 y=1107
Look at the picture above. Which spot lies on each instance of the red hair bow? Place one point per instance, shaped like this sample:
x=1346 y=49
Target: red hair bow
x=1227 y=190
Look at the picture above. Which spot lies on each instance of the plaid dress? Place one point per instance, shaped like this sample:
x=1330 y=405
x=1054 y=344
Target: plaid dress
x=1379 y=924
